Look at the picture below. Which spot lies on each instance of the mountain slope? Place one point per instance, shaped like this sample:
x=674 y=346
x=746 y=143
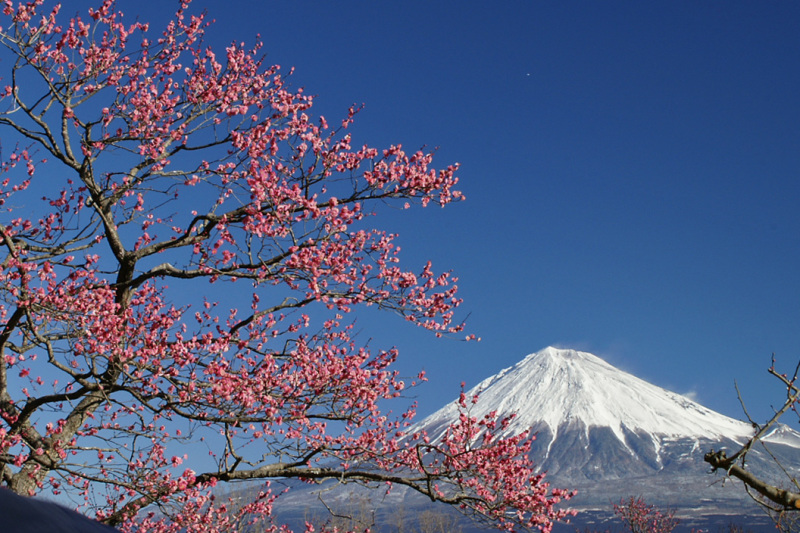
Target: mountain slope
x=610 y=434
x=554 y=387
x=606 y=433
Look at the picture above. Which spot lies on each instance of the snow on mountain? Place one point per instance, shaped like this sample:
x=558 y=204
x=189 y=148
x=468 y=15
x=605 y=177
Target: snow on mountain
x=609 y=435
x=782 y=434
x=556 y=387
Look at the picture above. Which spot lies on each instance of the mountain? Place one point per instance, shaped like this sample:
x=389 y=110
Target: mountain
x=611 y=435
x=554 y=387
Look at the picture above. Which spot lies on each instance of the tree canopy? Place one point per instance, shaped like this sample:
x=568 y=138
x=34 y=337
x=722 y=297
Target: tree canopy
x=183 y=244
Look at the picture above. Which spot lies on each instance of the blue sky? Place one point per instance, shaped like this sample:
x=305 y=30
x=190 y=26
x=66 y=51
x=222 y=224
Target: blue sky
x=631 y=173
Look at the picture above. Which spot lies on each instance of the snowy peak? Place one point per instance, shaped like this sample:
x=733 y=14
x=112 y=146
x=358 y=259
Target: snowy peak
x=558 y=387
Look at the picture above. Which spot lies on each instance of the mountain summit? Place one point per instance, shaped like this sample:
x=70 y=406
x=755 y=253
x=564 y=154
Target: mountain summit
x=554 y=387
x=612 y=435
x=609 y=435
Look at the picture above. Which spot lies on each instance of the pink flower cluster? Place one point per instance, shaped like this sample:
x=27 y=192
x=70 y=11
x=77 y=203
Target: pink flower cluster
x=175 y=314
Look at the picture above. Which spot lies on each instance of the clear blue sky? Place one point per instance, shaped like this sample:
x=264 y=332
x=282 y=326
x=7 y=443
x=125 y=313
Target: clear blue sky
x=631 y=172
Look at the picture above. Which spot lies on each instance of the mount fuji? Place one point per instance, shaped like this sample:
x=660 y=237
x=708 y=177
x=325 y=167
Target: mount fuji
x=611 y=435
x=555 y=390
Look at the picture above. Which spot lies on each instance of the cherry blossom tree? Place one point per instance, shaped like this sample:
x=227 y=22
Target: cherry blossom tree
x=183 y=245
x=639 y=517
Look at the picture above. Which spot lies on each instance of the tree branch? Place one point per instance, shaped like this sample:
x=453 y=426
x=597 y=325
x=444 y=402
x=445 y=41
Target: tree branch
x=785 y=499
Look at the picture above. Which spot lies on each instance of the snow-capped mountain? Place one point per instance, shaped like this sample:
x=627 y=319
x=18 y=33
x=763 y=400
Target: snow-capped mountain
x=612 y=435
x=555 y=387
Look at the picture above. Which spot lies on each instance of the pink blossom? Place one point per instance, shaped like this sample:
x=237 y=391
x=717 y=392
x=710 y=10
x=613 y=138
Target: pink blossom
x=186 y=172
